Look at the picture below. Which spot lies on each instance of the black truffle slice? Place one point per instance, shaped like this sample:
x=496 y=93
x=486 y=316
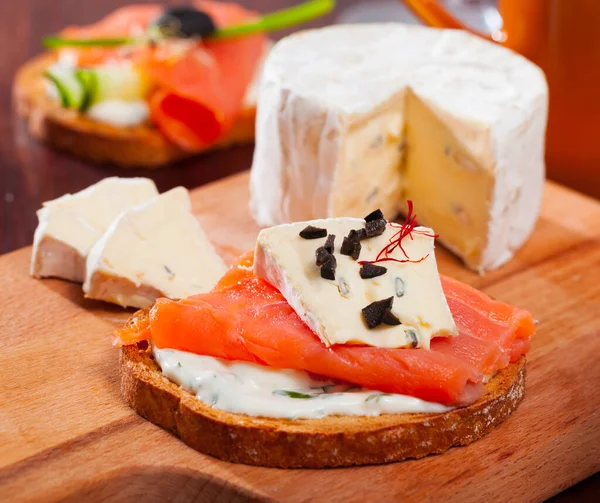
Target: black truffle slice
x=390 y=318
x=369 y=270
x=375 y=311
x=357 y=234
x=374 y=215
x=328 y=268
x=310 y=232
x=375 y=228
x=321 y=255
x=347 y=246
x=356 y=251
x=351 y=248
x=330 y=243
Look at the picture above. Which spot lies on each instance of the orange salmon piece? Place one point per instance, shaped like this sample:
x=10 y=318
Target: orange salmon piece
x=481 y=317
x=199 y=87
x=246 y=319
x=200 y=96
x=126 y=21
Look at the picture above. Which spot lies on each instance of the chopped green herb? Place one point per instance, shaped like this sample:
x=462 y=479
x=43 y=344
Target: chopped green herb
x=68 y=87
x=89 y=83
x=277 y=20
x=55 y=42
x=324 y=389
x=352 y=388
x=169 y=272
x=414 y=338
x=376 y=396
x=63 y=93
x=399 y=287
x=179 y=364
x=292 y=394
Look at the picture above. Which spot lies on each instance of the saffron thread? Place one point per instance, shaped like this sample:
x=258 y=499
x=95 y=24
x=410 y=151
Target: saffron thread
x=406 y=229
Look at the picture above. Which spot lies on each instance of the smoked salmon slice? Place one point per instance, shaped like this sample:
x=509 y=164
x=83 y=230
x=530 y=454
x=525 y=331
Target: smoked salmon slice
x=509 y=327
x=246 y=319
x=198 y=87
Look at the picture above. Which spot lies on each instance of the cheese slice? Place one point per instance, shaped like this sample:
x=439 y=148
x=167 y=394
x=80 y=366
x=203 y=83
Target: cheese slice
x=157 y=249
x=333 y=308
x=70 y=225
x=352 y=118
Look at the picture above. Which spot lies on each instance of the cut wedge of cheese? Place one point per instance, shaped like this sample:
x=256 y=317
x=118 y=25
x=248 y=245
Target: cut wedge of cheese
x=333 y=308
x=157 y=249
x=70 y=225
x=356 y=117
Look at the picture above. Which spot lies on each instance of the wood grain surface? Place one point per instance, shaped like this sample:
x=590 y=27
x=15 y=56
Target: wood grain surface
x=65 y=433
x=31 y=174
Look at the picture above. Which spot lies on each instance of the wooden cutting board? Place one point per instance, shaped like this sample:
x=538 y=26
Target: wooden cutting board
x=65 y=433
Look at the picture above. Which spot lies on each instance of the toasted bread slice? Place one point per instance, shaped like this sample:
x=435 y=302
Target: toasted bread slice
x=311 y=443
x=140 y=146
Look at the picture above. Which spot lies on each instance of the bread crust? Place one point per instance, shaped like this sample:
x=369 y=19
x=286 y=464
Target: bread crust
x=140 y=146
x=118 y=290
x=333 y=441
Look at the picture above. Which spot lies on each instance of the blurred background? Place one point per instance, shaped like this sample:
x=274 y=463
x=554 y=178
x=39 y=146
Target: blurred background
x=559 y=35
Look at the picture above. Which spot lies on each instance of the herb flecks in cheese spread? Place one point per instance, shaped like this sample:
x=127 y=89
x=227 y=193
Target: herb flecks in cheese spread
x=257 y=390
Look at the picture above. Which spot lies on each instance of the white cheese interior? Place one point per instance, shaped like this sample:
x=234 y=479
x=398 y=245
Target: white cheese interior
x=155 y=249
x=70 y=225
x=352 y=118
x=332 y=308
x=256 y=390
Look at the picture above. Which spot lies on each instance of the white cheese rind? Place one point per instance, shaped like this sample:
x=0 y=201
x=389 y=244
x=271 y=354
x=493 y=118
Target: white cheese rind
x=70 y=225
x=332 y=308
x=157 y=249
x=317 y=84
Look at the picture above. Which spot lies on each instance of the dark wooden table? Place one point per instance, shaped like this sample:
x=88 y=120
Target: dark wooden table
x=31 y=173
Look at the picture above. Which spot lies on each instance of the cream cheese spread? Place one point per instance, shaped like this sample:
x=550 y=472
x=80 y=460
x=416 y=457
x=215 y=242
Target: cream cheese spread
x=256 y=390
x=120 y=113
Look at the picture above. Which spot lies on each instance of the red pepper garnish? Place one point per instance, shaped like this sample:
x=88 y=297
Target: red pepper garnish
x=405 y=230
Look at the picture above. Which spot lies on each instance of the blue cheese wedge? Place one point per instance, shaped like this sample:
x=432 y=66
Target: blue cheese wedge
x=332 y=308
x=157 y=249
x=70 y=225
